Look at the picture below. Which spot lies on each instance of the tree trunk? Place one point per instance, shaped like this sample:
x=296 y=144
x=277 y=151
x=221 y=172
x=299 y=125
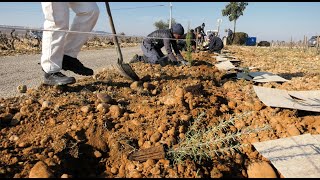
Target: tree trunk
x=234 y=26
x=234 y=29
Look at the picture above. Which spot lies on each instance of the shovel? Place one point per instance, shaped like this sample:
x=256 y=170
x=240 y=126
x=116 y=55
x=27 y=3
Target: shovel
x=125 y=69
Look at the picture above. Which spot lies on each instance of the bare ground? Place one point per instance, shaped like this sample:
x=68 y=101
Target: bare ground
x=89 y=129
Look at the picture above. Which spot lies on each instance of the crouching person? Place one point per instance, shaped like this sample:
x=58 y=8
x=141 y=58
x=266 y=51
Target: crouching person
x=215 y=44
x=152 y=44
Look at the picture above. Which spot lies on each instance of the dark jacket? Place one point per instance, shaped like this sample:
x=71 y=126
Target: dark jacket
x=215 y=44
x=159 y=43
x=200 y=29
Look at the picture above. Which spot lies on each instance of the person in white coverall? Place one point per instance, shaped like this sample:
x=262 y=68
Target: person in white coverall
x=60 y=49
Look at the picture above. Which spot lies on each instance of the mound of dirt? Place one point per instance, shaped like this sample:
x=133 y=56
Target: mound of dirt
x=89 y=129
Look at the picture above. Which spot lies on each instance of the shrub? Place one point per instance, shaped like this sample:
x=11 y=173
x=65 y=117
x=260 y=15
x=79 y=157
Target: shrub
x=239 y=38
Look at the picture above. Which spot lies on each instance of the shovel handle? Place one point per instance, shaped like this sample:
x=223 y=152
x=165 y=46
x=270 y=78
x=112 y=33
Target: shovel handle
x=120 y=59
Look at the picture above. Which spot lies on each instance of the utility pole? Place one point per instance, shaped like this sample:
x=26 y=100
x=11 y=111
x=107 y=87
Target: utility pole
x=218 y=23
x=170 y=21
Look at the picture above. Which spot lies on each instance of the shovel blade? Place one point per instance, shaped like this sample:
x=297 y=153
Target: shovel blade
x=126 y=71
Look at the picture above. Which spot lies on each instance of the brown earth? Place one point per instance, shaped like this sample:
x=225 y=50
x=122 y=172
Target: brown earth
x=88 y=129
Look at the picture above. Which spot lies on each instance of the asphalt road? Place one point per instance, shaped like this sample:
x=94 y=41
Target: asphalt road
x=25 y=70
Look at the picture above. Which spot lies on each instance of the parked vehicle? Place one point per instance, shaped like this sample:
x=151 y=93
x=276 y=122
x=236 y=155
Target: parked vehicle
x=312 y=42
x=264 y=43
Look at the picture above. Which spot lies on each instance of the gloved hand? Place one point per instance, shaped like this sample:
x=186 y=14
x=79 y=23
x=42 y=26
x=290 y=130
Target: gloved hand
x=184 y=63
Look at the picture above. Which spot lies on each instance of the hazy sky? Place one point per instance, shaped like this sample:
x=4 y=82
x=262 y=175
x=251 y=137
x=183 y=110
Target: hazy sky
x=264 y=20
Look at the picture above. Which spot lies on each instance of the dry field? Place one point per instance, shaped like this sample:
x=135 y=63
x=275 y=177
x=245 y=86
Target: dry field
x=205 y=122
x=13 y=44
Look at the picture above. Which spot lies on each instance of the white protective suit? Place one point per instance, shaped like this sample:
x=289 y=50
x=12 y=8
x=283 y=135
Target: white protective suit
x=56 y=44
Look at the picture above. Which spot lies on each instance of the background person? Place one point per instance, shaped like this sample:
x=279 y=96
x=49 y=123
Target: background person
x=151 y=46
x=215 y=44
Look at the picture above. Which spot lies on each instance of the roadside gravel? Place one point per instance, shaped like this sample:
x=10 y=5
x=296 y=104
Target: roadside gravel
x=25 y=70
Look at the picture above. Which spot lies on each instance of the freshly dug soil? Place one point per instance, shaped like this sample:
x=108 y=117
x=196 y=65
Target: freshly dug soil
x=89 y=129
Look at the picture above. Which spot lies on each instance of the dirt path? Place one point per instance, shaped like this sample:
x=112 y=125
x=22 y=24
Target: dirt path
x=24 y=69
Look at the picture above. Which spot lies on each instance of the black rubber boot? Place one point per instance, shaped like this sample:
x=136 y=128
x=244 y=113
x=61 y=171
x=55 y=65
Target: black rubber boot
x=57 y=79
x=74 y=65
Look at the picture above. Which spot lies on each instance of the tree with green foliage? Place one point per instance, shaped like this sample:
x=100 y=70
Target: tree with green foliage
x=234 y=10
x=189 y=47
x=163 y=25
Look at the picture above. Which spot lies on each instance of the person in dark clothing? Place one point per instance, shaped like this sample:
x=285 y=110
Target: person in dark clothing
x=152 y=44
x=182 y=44
x=229 y=36
x=200 y=33
x=215 y=44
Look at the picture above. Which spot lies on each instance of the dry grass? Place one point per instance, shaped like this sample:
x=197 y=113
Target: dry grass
x=204 y=143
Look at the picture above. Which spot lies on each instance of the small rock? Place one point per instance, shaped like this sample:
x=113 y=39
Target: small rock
x=52 y=122
x=293 y=131
x=29 y=101
x=169 y=101
x=155 y=137
x=73 y=127
x=122 y=171
x=56 y=107
x=85 y=109
x=27 y=150
x=103 y=97
x=22 y=145
x=50 y=154
x=258 y=105
x=135 y=122
x=17 y=116
x=182 y=135
x=22 y=88
x=14 y=160
x=97 y=154
x=65 y=176
x=171 y=131
x=261 y=170
x=154 y=92
x=181 y=129
x=13 y=138
x=185 y=117
x=50 y=162
x=114 y=170
x=2 y=170
x=179 y=92
x=146 y=85
x=318 y=129
x=40 y=170
x=135 y=174
x=24 y=110
x=46 y=104
x=215 y=173
x=115 y=111
x=44 y=140
x=148 y=164
x=135 y=85
x=232 y=104
x=130 y=166
x=162 y=128
x=103 y=107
